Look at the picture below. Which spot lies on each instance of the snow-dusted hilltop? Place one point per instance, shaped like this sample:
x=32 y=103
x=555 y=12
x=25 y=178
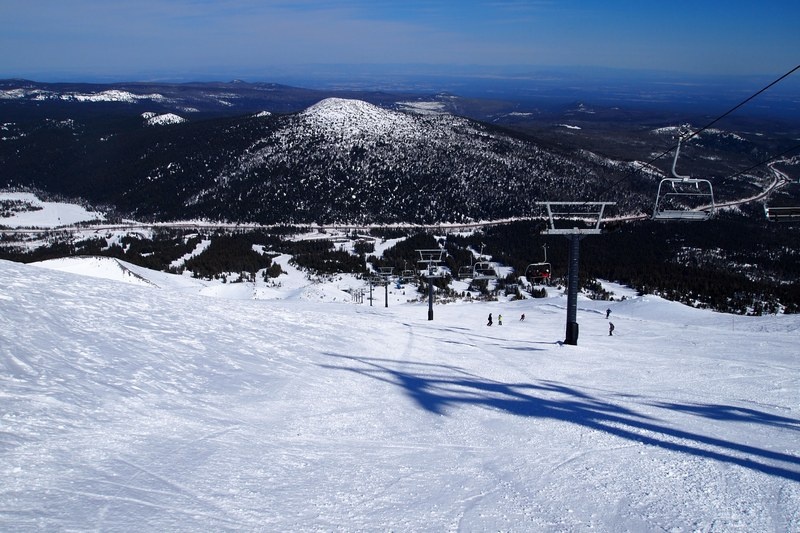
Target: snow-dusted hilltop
x=356 y=118
x=145 y=407
x=154 y=119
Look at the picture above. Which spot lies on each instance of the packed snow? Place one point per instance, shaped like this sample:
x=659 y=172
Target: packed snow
x=138 y=400
x=147 y=401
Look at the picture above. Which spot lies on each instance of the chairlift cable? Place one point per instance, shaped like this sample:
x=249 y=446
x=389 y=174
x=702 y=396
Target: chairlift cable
x=743 y=102
x=707 y=126
x=731 y=110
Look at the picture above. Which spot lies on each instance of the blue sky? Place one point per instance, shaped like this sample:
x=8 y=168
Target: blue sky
x=133 y=39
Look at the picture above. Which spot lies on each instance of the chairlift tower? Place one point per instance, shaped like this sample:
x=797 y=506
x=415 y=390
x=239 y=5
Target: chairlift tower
x=429 y=261
x=385 y=273
x=380 y=278
x=590 y=215
x=371 y=280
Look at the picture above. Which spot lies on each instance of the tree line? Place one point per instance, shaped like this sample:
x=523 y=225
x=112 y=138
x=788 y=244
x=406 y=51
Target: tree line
x=734 y=263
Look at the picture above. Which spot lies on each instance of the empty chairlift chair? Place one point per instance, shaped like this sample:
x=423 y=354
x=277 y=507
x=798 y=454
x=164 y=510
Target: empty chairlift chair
x=782 y=213
x=673 y=194
x=484 y=270
x=465 y=272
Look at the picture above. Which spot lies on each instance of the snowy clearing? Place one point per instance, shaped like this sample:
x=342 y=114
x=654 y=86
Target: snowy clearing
x=31 y=212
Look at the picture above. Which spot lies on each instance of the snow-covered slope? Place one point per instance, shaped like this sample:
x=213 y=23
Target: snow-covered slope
x=114 y=269
x=130 y=407
x=292 y=285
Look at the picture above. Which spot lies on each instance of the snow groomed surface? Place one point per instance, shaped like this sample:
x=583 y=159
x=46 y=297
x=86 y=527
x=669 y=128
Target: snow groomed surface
x=153 y=407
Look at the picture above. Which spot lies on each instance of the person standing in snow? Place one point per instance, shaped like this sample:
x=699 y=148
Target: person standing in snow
x=608 y=313
x=522 y=318
x=610 y=329
x=499 y=320
x=490 y=320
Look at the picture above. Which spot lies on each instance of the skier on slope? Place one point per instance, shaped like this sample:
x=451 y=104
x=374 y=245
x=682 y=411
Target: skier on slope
x=610 y=329
x=490 y=320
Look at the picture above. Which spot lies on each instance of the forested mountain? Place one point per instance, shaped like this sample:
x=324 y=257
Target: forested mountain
x=171 y=152
x=337 y=161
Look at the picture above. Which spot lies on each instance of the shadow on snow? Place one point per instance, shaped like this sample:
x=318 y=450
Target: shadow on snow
x=436 y=388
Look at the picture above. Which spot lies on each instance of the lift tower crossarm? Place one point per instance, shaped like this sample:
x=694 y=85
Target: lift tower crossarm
x=592 y=214
x=589 y=212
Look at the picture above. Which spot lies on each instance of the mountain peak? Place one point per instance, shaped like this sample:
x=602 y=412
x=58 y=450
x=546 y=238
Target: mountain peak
x=347 y=117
